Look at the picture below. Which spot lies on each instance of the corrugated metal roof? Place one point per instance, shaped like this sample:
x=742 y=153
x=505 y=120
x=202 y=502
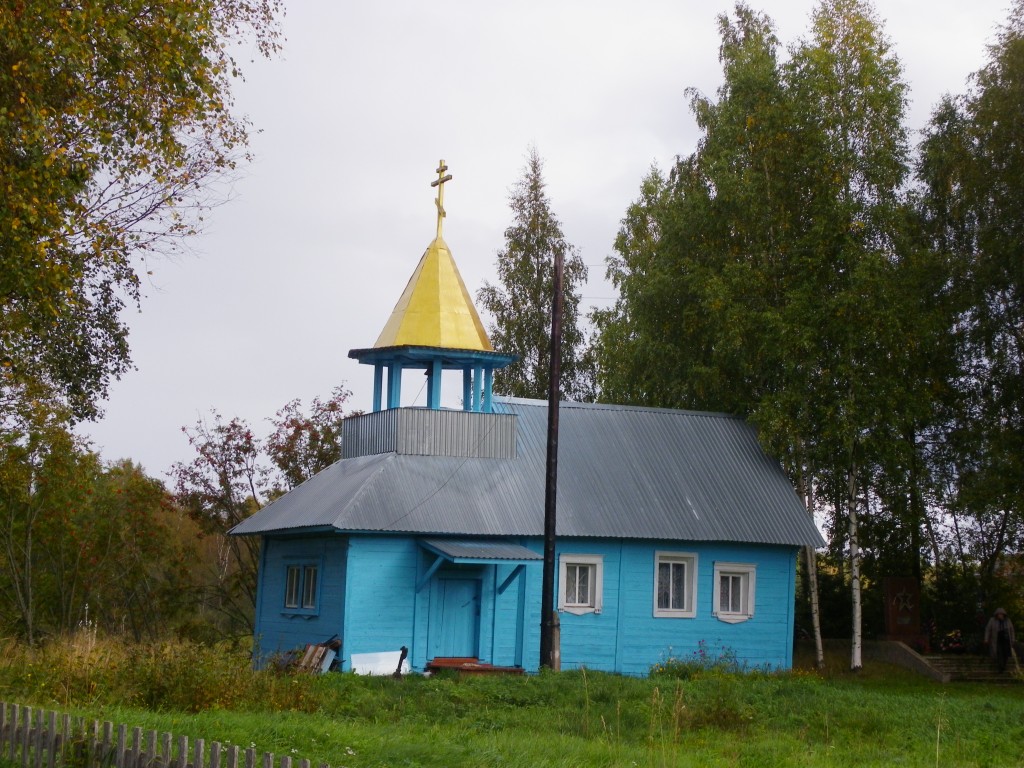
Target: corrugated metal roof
x=627 y=472
x=460 y=549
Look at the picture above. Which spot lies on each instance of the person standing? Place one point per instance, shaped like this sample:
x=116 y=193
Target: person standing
x=999 y=638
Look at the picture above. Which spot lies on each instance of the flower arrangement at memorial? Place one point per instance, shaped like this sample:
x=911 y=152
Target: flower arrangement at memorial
x=952 y=642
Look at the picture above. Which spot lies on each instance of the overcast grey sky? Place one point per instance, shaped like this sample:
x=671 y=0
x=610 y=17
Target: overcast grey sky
x=324 y=228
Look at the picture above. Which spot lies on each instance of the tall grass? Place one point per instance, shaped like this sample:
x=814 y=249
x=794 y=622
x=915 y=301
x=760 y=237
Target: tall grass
x=85 y=671
x=712 y=717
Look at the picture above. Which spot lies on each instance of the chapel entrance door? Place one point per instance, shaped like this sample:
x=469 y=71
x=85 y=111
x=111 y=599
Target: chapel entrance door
x=455 y=619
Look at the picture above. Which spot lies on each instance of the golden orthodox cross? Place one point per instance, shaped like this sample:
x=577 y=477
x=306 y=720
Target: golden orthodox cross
x=439 y=200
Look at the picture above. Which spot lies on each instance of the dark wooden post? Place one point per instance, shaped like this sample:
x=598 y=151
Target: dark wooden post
x=548 y=651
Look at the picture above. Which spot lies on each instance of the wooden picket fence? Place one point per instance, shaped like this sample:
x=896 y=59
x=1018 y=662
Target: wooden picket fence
x=36 y=738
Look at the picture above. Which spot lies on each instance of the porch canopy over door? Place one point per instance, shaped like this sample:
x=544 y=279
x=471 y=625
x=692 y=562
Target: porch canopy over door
x=464 y=552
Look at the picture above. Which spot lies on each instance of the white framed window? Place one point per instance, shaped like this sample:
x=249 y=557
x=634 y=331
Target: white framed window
x=734 y=591
x=581 y=580
x=675 y=584
x=301 y=587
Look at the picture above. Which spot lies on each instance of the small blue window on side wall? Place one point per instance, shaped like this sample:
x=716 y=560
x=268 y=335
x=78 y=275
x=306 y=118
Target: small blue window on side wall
x=309 y=585
x=292 y=582
x=302 y=588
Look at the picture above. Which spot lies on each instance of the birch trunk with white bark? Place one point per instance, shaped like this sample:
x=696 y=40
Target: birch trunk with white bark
x=856 y=660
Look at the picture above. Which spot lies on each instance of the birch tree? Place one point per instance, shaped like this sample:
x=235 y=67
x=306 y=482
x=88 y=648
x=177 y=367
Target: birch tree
x=972 y=163
x=773 y=289
x=849 y=103
x=115 y=123
x=701 y=267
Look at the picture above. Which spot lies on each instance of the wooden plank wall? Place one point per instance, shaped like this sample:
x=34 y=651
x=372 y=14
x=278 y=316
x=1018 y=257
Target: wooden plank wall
x=36 y=738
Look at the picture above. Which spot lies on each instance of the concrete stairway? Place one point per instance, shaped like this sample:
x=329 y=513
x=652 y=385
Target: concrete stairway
x=971 y=668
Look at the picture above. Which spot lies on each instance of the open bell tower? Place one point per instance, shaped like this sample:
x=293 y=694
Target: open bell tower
x=434 y=327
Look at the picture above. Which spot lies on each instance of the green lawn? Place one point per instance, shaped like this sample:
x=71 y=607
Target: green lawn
x=880 y=717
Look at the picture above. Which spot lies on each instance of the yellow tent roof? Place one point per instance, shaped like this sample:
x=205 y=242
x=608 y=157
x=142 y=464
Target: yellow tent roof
x=435 y=309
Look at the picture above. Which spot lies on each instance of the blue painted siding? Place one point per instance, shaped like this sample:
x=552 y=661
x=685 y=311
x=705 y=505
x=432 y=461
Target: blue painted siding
x=590 y=640
x=508 y=638
x=368 y=596
x=626 y=636
x=514 y=618
x=279 y=629
x=381 y=601
x=384 y=611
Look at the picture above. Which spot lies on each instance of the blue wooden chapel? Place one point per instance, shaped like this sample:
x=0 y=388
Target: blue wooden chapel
x=675 y=530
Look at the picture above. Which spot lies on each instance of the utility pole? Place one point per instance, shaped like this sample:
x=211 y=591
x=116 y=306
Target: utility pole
x=549 y=653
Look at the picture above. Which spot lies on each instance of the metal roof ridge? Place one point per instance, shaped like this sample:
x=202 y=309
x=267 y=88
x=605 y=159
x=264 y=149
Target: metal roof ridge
x=381 y=461
x=572 y=404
